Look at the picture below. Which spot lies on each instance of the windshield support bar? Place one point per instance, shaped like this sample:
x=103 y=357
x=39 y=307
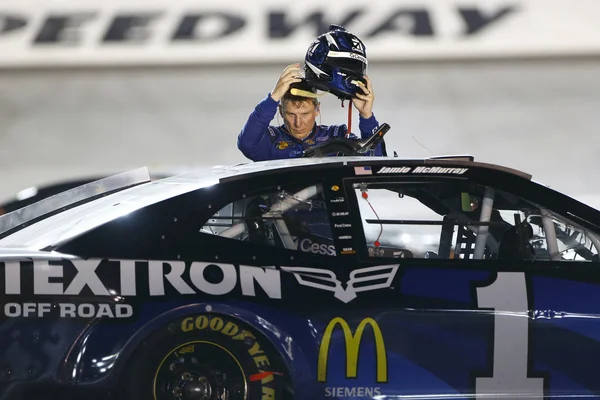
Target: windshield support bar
x=72 y=197
x=482 y=232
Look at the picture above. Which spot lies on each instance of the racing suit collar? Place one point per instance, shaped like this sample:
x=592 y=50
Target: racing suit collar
x=311 y=135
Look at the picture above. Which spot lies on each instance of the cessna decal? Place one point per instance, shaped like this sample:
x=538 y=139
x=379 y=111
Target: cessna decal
x=308 y=246
x=361 y=280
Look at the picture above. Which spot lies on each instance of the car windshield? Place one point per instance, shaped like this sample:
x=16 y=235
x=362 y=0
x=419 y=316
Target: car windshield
x=71 y=197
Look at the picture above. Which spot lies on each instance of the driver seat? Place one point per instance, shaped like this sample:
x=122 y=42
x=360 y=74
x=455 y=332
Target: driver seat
x=516 y=243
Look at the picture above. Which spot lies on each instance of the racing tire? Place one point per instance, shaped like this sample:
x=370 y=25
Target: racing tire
x=199 y=357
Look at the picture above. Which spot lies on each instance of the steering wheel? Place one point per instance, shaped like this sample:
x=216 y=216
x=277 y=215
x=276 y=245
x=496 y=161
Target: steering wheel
x=348 y=147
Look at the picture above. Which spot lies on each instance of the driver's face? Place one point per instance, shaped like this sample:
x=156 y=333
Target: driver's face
x=299 y=117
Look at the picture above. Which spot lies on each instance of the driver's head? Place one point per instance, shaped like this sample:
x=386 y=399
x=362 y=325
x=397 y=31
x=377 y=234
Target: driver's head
x=299 y=113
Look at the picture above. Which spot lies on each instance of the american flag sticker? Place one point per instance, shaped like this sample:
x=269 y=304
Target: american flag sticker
x=363 y=171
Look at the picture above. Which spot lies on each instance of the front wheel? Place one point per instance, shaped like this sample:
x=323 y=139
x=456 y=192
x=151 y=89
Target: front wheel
x=205 y=357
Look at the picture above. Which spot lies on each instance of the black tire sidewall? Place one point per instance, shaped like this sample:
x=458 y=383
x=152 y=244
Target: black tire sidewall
x=253 y=352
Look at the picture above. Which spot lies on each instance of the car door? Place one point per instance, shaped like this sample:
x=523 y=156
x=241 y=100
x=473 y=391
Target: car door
x=494 y=294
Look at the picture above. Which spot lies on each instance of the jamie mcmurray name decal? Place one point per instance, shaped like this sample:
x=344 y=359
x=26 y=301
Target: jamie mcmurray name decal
x=422 y=170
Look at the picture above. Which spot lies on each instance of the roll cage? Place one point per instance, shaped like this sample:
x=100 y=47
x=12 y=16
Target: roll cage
x=274 y=212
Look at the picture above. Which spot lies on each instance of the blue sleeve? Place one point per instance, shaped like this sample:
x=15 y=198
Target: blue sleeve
x=366 y=126
x=254 y=141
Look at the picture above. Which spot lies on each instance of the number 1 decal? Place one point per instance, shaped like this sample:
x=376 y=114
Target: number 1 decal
x=507 y=295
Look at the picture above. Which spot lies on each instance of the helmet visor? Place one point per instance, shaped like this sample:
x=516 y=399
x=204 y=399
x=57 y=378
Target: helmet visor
x=350 y=63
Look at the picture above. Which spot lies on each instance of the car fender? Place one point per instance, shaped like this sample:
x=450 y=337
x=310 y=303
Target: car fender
x=291 y=352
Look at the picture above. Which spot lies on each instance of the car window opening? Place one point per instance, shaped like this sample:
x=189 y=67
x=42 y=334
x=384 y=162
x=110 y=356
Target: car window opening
x=365 y=197
x=427 y=220
x=290 y=218
x=461 y=221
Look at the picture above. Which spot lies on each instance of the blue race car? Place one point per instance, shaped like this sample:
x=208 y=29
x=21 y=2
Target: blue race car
x=313 y=278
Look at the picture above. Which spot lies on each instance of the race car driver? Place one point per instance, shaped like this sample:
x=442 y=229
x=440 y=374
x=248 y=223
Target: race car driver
x=341 y=72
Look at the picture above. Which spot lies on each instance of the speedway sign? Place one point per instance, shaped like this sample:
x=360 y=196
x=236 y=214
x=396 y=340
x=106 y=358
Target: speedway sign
x=72 y=32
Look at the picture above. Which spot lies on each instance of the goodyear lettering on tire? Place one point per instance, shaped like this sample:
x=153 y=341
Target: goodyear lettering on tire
x=235 y=332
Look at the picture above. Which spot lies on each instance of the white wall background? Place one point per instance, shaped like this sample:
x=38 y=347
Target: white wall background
x=539 y=116
x=57 y=123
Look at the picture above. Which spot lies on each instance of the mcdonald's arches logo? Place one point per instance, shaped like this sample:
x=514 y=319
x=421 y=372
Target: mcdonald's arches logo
x=353 y=343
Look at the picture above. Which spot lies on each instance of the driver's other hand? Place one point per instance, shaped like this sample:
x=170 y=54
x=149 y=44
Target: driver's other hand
x=291 y=74
x=364 y=101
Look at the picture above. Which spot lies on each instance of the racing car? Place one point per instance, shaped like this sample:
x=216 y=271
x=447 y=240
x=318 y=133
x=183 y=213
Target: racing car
x=309 y=278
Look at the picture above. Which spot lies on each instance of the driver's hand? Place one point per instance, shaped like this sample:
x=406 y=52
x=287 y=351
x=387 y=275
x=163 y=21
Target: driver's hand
x=364 y=101
x=291 y=74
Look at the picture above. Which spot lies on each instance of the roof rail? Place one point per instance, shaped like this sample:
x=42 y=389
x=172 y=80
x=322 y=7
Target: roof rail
x=470 y=163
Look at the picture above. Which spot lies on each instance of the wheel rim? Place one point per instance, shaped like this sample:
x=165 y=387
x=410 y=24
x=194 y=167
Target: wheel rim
x=200 y=370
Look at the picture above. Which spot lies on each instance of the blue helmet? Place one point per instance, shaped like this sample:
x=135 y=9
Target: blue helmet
x=334 y=61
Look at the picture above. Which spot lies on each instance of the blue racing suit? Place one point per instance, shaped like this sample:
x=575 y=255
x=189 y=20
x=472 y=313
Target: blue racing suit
x=260 y=141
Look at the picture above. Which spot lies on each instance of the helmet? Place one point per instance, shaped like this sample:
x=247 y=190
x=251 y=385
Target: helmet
x=335 y=61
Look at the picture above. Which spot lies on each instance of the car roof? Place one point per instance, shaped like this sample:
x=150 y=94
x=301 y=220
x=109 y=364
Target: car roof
x=442 y=160
x=72 y=221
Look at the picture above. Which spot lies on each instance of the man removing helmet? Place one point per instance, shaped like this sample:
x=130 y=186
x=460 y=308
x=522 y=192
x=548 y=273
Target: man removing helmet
x=335 y=63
